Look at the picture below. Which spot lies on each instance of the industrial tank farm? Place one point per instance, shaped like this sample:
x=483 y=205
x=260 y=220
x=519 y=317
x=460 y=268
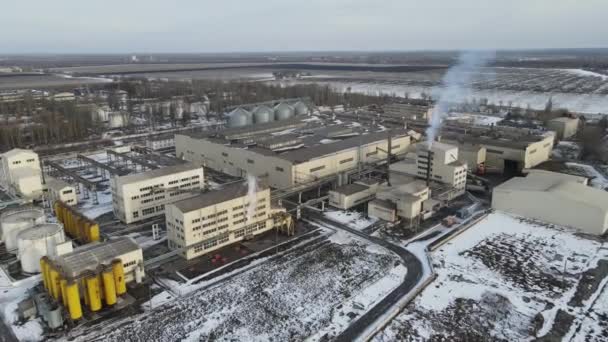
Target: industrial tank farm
x=283 y=111
x=76 y=225
x=263 y=114
x=16 y=221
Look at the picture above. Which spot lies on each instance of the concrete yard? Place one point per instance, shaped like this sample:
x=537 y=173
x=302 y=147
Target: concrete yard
x=510 y=279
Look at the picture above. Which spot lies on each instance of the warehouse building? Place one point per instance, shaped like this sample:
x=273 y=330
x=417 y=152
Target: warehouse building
x=508 y=154
x=209 y=221
x=20 y=173
x=400 y=201
x=136 y=197
x=348 y=196
x=555 y=198
x=60 y=190
x=407 y=111
x=308 y=152
x=564 y=127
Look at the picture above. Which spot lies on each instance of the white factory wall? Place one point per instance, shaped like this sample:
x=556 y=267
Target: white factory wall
x=210 y=228
x=278 y=172
x=132 y=262
x=61 y=192
x=28 y=183
x=233 y=161
x=13 y=162
x=135 y=201
x=549 y=207
x=564 y=127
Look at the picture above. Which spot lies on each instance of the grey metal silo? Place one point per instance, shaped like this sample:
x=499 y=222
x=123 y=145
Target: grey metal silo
x=263 y=114
x=239 y=118
x=283 y=111
x=301 y=108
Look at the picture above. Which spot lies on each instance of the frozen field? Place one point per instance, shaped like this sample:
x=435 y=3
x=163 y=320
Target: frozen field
x=309 y=292
x=575 y=89
x=508 y=279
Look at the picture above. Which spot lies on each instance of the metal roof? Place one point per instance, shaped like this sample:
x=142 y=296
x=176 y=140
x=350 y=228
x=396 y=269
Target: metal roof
x=210 y=198
x=350 y=189
x=89 y=257
x=169 y=170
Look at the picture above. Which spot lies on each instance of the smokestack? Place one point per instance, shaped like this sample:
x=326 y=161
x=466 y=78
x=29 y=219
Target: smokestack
x=428 y=166
x=389 y=151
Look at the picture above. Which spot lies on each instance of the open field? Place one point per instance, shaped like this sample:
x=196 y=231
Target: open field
x=33 y=81
x=309 y=292
x=509 y=279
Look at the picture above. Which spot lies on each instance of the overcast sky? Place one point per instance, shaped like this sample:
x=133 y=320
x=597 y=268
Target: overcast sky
x=295 y=25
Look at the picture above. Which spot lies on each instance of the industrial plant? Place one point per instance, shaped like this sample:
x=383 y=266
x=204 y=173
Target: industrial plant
x=203 y=214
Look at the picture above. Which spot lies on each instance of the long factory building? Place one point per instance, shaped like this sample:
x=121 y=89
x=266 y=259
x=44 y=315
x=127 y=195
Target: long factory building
x=211 y=220
x=309 y=150
x=139 y=196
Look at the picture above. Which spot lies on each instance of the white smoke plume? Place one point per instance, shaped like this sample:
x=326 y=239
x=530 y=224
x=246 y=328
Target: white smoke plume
x=455 y=87
x=252 y=190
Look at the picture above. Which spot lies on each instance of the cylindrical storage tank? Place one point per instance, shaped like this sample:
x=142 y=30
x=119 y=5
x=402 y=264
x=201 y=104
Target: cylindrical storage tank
x=36 y=242
x=15 y=222
x=55 y=287
x=283 y=111
x=43 y=272
x=263 y=114
x=300 y=108
x=68 y=222
x=109 y=289
x=83 y=286
x=73 y=299
x=94 y=293
x=58 y=211
x=93 y=233
x=64 y=292
x=119 y=277
x=239 y=118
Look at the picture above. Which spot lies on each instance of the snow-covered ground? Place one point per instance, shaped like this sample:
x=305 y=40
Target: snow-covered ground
x=312 y=292
x=353 y=219
x=598 y=180
x=502 y=279
x=475 y=119
x=10 y=296
x=566 y=150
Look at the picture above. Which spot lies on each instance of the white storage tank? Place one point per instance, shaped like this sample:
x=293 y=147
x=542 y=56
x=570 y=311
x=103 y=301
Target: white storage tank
x=16 y=221
x=36 y=242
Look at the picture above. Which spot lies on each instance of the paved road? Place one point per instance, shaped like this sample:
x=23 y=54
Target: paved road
x=413 y=276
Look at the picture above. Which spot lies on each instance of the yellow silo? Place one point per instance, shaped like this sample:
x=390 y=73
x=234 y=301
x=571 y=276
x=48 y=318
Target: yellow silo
x=93 y=293
x=43 y=272
x=93 y=232
x=83 y=286
x=58 y=211
x=109 y=289
x=54 y=285
x=73 y=300
x=119 y=277
x=64 y=296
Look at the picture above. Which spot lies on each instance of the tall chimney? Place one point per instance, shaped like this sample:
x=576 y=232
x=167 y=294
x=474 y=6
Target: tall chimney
x=428 y=167
x=389 y=151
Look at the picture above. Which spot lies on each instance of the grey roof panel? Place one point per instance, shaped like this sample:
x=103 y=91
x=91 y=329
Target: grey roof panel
x=206 y=199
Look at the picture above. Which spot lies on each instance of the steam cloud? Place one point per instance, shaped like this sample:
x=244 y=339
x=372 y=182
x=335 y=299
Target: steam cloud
x=252 y=190
x=455 y=87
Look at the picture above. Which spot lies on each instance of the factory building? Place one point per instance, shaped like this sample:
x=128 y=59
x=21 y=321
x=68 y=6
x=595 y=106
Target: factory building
x=440 y=163
x=400 y=201
x=20 y=173
x=407 y=111
x=555 y=198
x=136 y=197
x=161 y=142
x=474 y=156
x=348 y=196
x=509 y=155
x=93 y=273
x=211 y=220
x=59 y=190
x=564 y=127
x=302 y=156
